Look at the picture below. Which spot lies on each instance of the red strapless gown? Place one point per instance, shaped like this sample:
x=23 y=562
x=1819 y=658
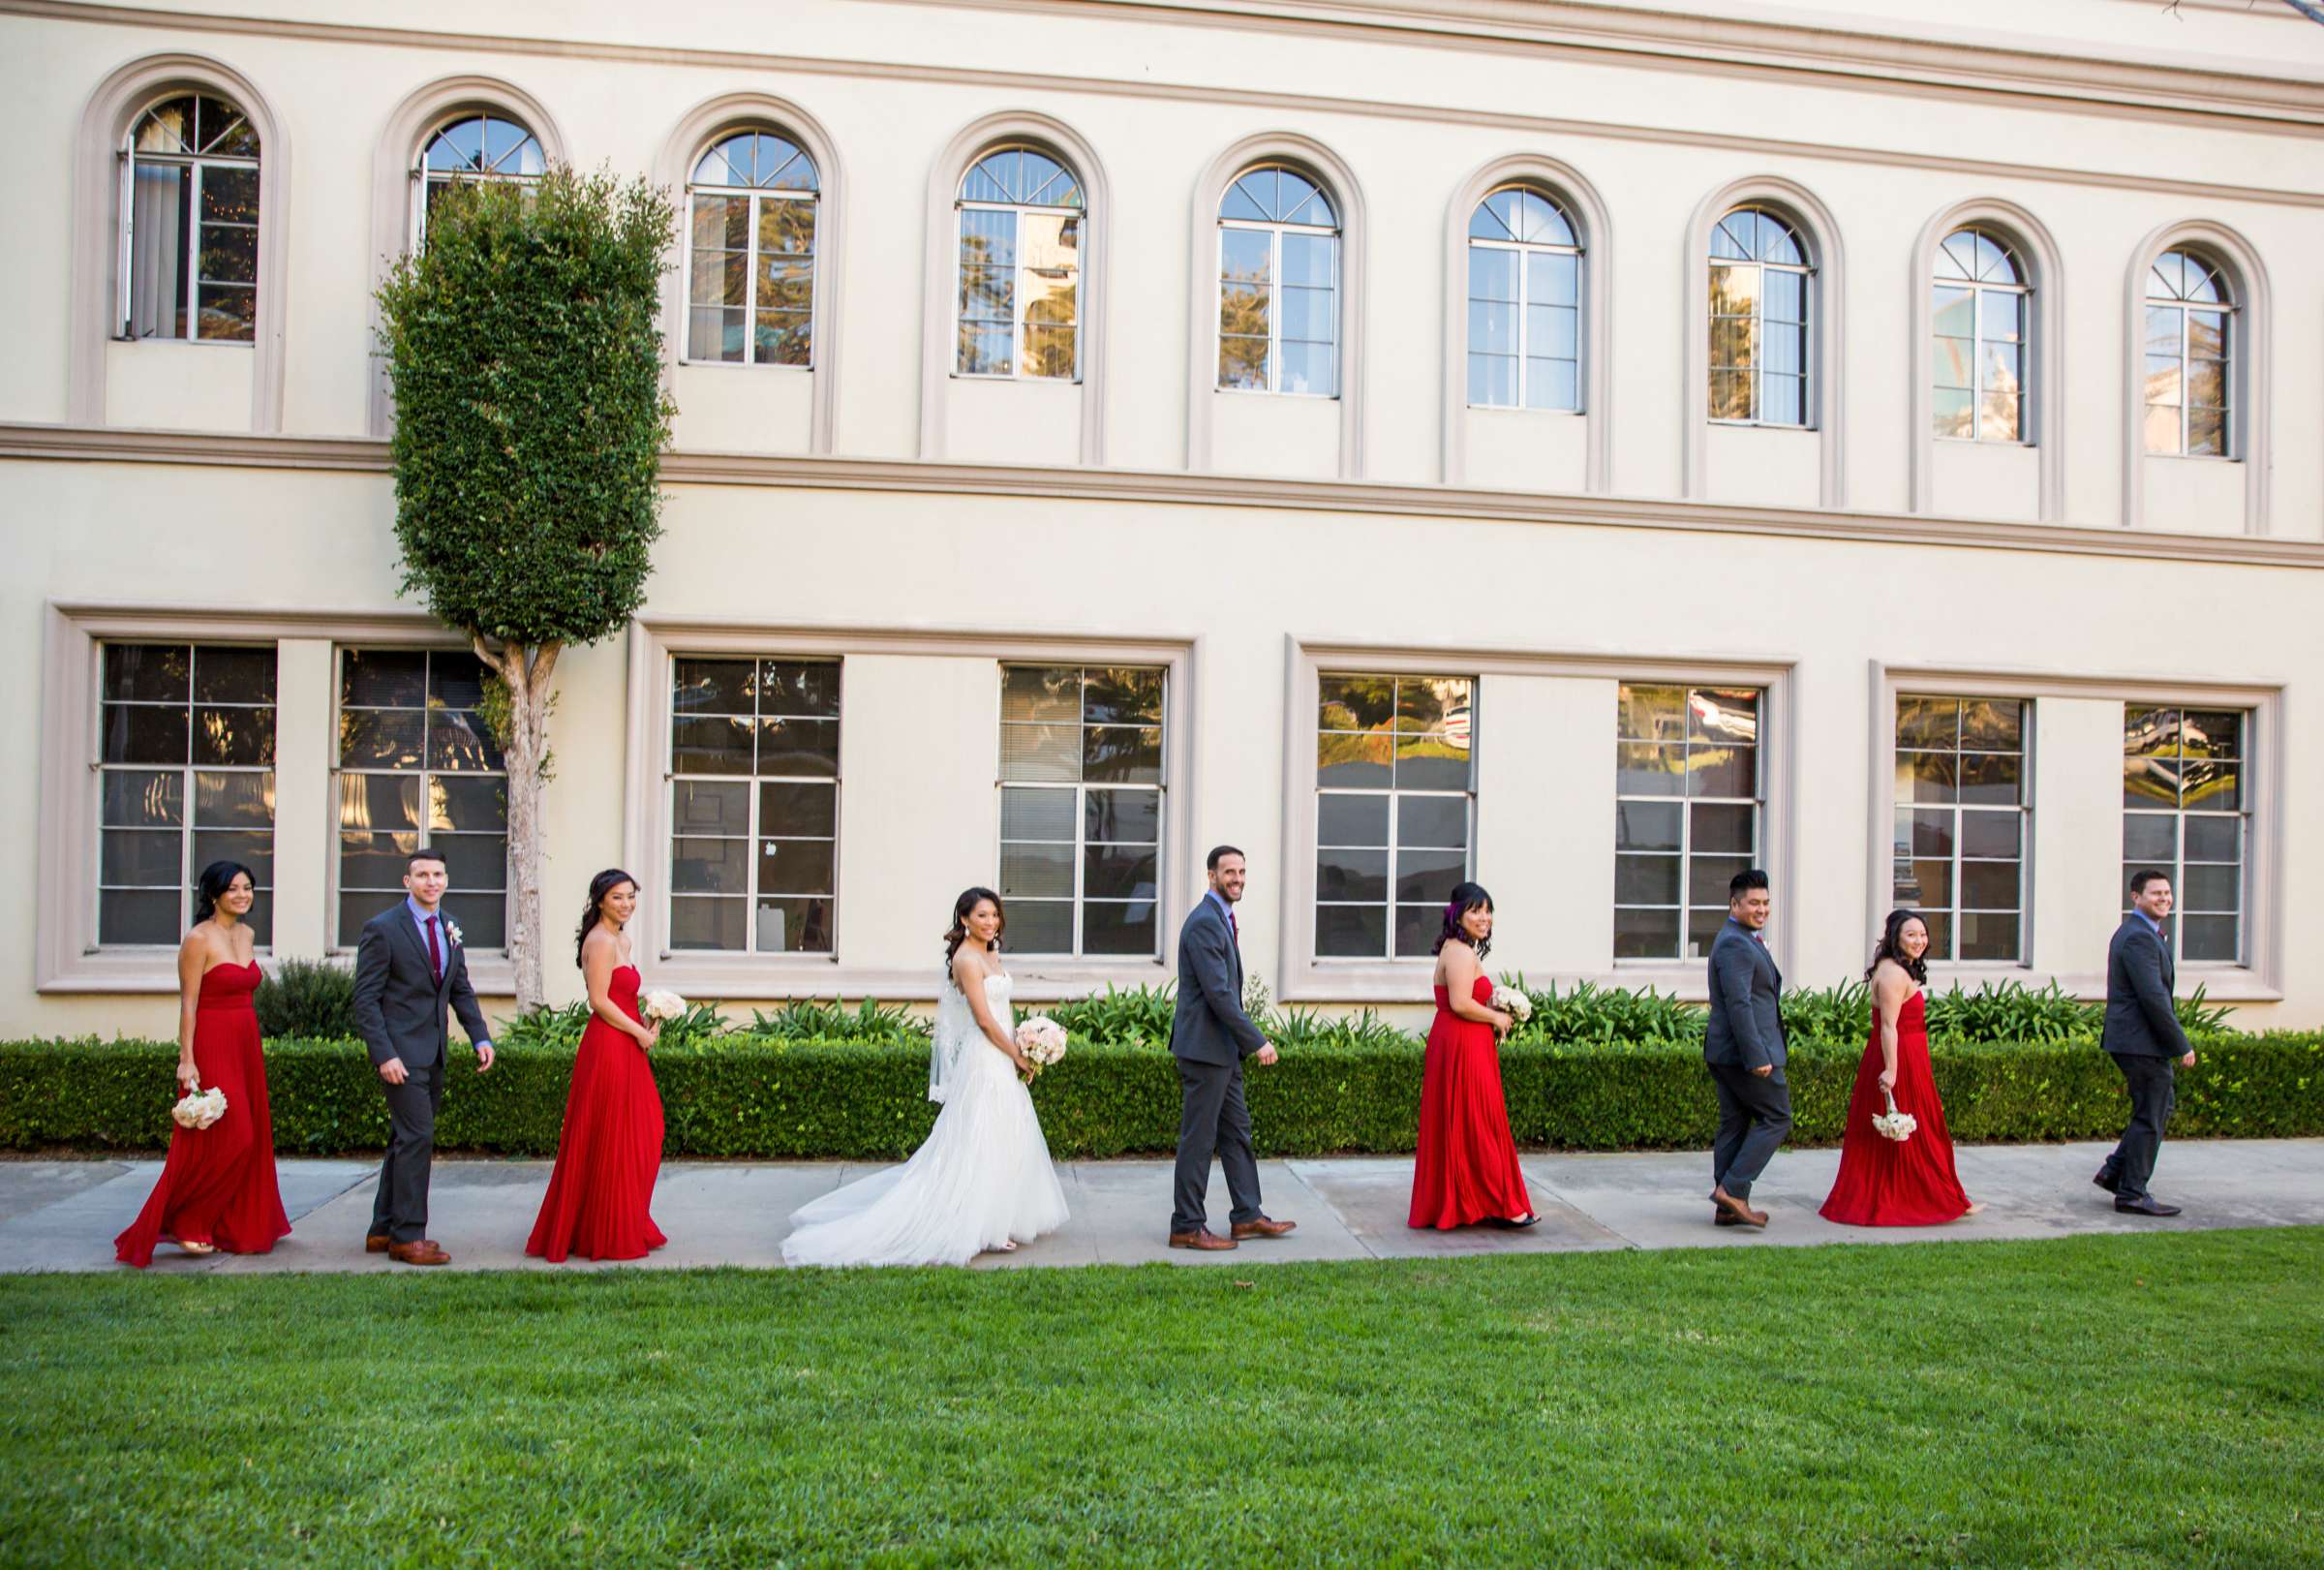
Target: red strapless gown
x=1883 y=1183
x=217 y=1185
x=602 y=1192
x=1467 y=1167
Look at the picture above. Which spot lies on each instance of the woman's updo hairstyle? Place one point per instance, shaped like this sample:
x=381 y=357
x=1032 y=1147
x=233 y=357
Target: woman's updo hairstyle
x=211 y=886
x=604 y=883
x=961 y=909
x=1466 y=896
x=1891 y=947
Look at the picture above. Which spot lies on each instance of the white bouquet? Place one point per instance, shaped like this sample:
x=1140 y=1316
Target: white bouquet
x=661 y=1005
x=1513 y=1002
x=199 y=1108
x=1041 y=1039
x=1893 y=1123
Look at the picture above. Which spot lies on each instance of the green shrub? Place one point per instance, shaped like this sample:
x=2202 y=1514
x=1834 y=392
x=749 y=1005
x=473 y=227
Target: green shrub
x=1606 y=1014
x=314 y=997
x=807 y=1020
x=1138 y=1017
x=1346 y=1087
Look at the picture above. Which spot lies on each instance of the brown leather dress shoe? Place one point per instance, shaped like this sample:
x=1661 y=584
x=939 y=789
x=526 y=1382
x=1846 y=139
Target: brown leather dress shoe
x=1202 y=1236
x=421 y=1252
x=1262 y=1228
x=1739 y=1209
x=1720 y=1217
x=376 y=1242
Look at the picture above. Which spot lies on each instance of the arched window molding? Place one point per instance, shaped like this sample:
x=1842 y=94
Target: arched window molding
x=940 y=267
x=1827 y=316
x=2251 y=409
x=1587 y=211
x=2044 y=348
x=95 y=285
x=392 y=189
x=674 y=165
x=1338 y=182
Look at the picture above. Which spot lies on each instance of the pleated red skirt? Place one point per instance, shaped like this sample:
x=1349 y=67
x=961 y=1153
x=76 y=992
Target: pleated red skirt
x=1466 y=1169
x=600 y=1203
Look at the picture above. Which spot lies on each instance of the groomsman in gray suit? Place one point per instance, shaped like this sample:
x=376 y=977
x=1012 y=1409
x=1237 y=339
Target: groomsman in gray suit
x=1743 y=1047
x=2142 y=1031
x=1210 y=1036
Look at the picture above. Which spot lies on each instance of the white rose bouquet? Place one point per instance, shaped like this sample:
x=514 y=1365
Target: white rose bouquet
x=1513 y=1002
x=199 y=1108
x=1041 y=1040
x=1893 y=1123
x=661 y=1005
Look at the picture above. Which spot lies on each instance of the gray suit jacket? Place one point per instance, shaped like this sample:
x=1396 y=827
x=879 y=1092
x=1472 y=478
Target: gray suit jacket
x=1210 y=1026
x=399 y=999
x=1746 y=1024
x=2140 y=1021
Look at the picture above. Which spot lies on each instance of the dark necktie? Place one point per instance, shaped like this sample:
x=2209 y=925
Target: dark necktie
x=435 y=954
x=1233 y=929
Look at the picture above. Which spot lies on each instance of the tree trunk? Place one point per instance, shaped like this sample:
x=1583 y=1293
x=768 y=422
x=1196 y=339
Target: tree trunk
x=526 y=673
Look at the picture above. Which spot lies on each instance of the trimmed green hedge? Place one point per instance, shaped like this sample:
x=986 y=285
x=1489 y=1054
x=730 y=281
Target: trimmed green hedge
x=781 y=1099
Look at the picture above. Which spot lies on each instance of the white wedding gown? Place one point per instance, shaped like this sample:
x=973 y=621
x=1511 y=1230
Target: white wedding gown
x=982 y=1178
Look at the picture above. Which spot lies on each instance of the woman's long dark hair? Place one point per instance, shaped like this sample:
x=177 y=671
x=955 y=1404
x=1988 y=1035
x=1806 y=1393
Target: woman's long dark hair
x=211 y=886
x=1466 y=896
x=1887 y=948
x=604 y=883
x=962 y=907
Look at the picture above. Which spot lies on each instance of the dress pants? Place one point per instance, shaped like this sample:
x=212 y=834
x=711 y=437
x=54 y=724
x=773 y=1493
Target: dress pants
x=400 y=1208
x=2154 y=1089
x=1755 y=1114
x=1213 y=1120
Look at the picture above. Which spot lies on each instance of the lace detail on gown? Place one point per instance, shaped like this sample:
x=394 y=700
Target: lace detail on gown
x=982 y=1178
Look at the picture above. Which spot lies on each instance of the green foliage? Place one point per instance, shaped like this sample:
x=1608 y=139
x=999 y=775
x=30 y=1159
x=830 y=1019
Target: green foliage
x=1606 y=1015
x=312 y=997
x=560 y=1028
x=1340 y=1086
x=1139 y=1017
x=525 y=348
x=1841 y=1013
x=807 y=1020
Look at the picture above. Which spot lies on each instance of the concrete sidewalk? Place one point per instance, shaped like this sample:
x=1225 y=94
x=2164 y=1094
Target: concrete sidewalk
x=62 y=1216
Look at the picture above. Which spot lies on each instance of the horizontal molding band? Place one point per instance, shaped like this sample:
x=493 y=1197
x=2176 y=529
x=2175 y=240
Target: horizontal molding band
x=2111 y=89
x=366 y=456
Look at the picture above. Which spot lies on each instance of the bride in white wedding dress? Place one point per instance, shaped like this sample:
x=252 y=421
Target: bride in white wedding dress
x=983 y=1178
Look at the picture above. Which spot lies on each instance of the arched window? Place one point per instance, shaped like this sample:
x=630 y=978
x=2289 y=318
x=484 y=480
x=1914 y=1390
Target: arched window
x=752 y=280
x=475 y=146
x=1524 y=303
x=1020 y=215
x=1979 y=315
x=1278 y=285
x=189 y=222
x=1761 y=294
x=2190 y=344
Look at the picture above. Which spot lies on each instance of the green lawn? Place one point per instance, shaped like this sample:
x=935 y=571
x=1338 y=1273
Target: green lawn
x=2088 y=1401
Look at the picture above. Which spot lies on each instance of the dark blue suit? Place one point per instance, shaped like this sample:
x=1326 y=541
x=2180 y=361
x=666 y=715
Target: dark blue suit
x=2142 y=1032
x=1210 y=1036
x=1744 y=1032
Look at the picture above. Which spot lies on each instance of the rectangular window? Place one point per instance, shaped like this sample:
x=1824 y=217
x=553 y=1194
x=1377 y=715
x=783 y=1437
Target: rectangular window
x=752 y=279
x=185 y=777
x=1081 y=808
x=1278 y=310
x=1963 y=823
x=754 y=804
x=1394 y=811
x=419 y=768
x=1687 y=801
x=1021 y=274
x=2185 y=814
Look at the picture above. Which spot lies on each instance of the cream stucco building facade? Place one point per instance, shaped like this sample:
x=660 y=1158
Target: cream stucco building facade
x=1588 y=446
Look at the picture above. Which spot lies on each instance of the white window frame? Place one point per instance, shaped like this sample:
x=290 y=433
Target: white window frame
x=758 y=195
x=2228 y=308
x=1757 y=802
x=1019 y=268
x=1811 y=391
x=423 y=177
x=1394 y=794
x=125 y=309
x=2027 y=368
x=2029 y=718
x=1275 y=315
x=1524 y=250
x=2176 y=864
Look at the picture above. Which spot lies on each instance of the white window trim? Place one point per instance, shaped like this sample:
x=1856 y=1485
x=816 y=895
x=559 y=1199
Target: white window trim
x=64 y=961
x=1307 y=979
x=673 y=167
x=394 y=190
x=2028 y=829
x=941 y=273
x=1756 y=800
x=757 y=977
x=2246 y=832
x=2043 y=411
x=93 y=316
x=2257 y=981
x=1812 y=222
x=1275 y=315
x=1019 y=211
x=2250 y=409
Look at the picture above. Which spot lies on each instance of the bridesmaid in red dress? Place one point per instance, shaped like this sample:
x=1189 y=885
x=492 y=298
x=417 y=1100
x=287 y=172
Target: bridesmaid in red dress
x=1466 y=1170
x=1884 y=1181
x=217 y=1190
x=602 y=1192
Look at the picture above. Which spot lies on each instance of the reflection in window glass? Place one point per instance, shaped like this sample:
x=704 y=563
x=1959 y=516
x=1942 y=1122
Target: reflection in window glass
x=1278 y=285
x=1687 y=798
x=751 y=263
x=2189 y=349
x=1761 y=291
x=419 y=768
x=1963 y=823
x=1020 y=215
x=2187 y=814
x=189 y=222
x=1081 y=808
x=185 y=777
x=754 y=804
x=1524 y=303
x=1979 y=313
x=1394 y=811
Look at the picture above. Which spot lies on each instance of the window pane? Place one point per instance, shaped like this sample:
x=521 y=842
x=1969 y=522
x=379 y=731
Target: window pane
x=1122 y=753
x=1646 y=879
x=237 y=800
x=1441 y=821
x=1952 y=315
x=230 y=675
x=136 y=798
x=1418 y=927
x=474 y=805
x=1351 y=875
x=793 y=810
x=1708 y=877
x=1310 y=368
x=1724 y=828
x=149 y=672
x=1341 y=931
x=709 y=807
x=138 y=733
x=796 y=746
x=1041 y=927
x=1996 y=836
x=794 y=926
x=1931 y=829
x=1435 y=762
x=2208 y=839
x=148 y=858
x=710 y=867
x=1119 y=872
x=1646 y=934
x=1723 y=771
x=140 y=917
x=1989 y=885
x=708 y=923
x=1648 y=825
x=1927 y=777
x=1036 y=871
x=1123 y=696
x=472 y=861
x=2151 y=836
x=1429 y=875
x=2209 y=939
x=1036 y=814
x=2207 y=888
x=1310 y=259
x=711 y=746
x=1641 y=769
x=1493 y=381
x=1039 y=693
x=1345 y=820
x=1492 y=274
x=1991 y=779
x=1984 y=936
x=797 y=866
x=1124 y=928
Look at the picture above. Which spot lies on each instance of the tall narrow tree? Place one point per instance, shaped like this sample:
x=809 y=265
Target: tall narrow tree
x=530 y=422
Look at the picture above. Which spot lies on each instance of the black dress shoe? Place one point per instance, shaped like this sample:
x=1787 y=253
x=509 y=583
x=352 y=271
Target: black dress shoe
x=1508 y=1225
x=2104 y=1179
x=2143 y=1205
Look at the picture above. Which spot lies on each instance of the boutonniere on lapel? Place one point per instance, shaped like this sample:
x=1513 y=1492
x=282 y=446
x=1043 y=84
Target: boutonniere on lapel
x=451 y=930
